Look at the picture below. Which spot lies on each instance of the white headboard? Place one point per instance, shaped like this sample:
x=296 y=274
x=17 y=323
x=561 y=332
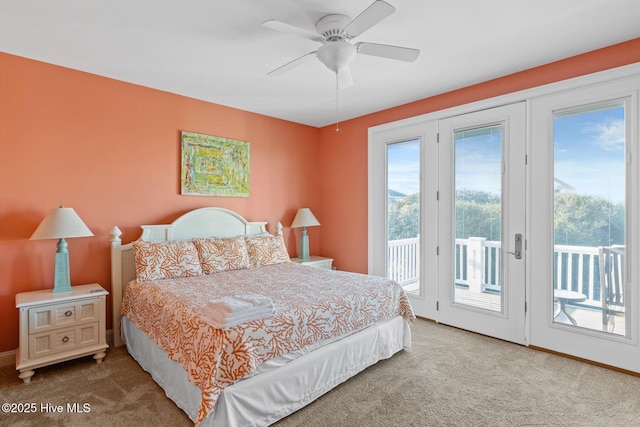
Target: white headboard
x=203 y=222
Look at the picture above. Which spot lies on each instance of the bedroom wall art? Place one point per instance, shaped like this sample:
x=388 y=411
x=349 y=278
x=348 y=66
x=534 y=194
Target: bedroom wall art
x=214 y=166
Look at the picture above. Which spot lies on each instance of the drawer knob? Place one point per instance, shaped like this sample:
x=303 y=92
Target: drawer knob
x=65 y=339
x=68 y=313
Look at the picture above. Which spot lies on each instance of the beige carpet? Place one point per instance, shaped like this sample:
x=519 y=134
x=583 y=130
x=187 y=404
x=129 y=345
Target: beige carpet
x=449 y=378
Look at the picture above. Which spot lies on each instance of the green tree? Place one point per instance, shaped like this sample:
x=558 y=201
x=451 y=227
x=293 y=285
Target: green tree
x=587 y=221
x=579 y=220
x=404 y=218
x=477 y=215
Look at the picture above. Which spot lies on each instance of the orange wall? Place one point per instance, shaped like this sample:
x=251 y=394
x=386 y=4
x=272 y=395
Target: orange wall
x=111 y=150
x=343 y=157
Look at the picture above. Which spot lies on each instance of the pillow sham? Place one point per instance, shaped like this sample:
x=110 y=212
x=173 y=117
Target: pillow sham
x=222 y=254
x=266 y=250
x=165 y=260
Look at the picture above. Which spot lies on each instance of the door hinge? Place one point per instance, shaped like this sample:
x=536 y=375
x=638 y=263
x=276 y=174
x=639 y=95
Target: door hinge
x=437 y=250
x=438 y=138
x=437 y=305
x=525 y=306
x=437 y=195
x=526 y=159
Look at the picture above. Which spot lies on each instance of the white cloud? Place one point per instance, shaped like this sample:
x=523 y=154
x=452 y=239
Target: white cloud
x=611 y=136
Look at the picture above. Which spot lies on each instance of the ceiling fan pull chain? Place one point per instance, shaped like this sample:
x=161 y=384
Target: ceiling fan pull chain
x=337 y=92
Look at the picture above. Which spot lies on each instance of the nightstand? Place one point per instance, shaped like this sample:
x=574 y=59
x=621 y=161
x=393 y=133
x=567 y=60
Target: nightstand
x=315 y=261
x=55 y=327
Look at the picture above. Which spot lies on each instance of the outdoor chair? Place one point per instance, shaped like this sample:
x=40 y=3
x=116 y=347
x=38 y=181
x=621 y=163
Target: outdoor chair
x=611 y=284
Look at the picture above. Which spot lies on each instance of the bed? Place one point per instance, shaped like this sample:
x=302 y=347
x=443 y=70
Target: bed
x=326 y=326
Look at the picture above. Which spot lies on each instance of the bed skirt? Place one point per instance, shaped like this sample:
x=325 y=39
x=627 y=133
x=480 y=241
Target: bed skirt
x=283 y=386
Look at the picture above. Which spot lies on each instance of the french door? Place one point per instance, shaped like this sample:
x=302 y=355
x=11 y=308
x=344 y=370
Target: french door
x=549 y=181
x=584 y=192
x=447 y=215
x=481 y=242
x=403 y=217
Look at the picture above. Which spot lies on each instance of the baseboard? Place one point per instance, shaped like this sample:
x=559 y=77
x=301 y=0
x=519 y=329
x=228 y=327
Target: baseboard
x=7 y=358
x=590 y=362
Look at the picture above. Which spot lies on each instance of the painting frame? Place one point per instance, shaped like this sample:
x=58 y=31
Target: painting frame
x=213 y=166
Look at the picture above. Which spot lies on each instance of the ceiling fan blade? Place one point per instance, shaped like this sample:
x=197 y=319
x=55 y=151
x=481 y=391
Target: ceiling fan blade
x=283 y=27
x=293 y=64
x=368 y=18
x=388 y=51
x=345 y=79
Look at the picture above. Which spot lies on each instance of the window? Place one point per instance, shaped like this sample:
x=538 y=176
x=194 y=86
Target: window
x=589 y=216
x=403 y=214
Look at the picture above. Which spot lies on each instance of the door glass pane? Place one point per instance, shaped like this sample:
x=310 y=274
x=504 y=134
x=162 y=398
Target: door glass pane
x=403 y=214
x=478 y=212
x=589 y=217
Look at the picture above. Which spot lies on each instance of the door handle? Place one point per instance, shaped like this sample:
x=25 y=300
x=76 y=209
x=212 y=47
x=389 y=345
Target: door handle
x=518 y=246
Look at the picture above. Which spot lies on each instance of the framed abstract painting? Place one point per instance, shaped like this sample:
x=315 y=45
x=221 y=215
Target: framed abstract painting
x=214 y=166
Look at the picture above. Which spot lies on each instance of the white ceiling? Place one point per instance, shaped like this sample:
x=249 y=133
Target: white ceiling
x=218 y=51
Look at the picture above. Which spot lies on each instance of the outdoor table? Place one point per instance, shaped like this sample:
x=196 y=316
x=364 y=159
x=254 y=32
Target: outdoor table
x=564 y=296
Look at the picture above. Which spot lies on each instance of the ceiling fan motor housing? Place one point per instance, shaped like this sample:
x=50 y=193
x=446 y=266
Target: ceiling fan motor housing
x=331 y=26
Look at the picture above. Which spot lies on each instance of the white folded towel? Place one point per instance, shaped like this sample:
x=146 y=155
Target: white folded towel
x=255 y=299
x=220 y=321
x=229 y=305
x=227 y=312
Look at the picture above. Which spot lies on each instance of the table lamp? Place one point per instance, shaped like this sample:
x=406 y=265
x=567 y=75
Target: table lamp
x=304 y=218
x=61 y=223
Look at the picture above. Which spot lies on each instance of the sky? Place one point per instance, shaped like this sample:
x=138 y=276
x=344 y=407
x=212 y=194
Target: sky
x=478 y=159
x=589 y=152
x=588 y=156
x=404 y=166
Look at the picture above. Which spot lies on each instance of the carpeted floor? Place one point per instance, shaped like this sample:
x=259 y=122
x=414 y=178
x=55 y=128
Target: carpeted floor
x=449 y=378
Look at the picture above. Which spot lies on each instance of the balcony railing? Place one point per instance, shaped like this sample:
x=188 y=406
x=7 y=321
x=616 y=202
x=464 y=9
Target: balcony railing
x=403 y=260
x=577 y=269
x=478 y=266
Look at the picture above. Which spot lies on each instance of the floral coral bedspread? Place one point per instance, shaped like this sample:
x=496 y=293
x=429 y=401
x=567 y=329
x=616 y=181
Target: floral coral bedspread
x=312 y=305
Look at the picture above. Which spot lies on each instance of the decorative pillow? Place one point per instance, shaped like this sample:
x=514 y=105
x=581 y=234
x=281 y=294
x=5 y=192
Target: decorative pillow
x=267 y=249
x=164 y=260
x=222 y=254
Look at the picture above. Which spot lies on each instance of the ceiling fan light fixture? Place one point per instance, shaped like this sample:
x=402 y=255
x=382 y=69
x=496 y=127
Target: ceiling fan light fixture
x=336 y=55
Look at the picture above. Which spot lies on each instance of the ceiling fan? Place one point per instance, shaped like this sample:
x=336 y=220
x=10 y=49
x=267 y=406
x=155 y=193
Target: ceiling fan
x=335 y=31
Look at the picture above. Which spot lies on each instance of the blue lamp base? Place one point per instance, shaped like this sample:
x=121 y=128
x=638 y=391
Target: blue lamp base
x=61 y=281
x=304 y=245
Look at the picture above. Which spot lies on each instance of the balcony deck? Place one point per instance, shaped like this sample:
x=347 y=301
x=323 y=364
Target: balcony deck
x=585 y=317
x=477 y=277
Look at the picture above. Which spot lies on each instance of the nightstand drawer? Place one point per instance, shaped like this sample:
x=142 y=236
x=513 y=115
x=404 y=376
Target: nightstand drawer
x=323 y=264
x=54 y=316
x=58 y=340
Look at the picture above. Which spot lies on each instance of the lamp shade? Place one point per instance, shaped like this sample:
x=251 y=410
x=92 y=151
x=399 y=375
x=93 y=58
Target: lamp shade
x=304 y=218
x=61 y=223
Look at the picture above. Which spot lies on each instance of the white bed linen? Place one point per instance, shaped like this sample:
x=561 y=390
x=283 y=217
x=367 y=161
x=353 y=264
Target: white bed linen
x=283 y=385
